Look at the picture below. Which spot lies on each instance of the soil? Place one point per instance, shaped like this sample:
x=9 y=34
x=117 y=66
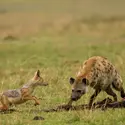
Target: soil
x=103 y=105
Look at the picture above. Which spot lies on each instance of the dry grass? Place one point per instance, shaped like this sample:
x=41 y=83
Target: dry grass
x=28 y=24
x=19 y=18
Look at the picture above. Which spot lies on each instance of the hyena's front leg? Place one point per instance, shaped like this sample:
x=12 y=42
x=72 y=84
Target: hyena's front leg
x=93 y=97
x=68 y=106
x=70 y=102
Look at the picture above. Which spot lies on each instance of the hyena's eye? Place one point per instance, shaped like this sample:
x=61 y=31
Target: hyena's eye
x=73 y=90
x=79 y=91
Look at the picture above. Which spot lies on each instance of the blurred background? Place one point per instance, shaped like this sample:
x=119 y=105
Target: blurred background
x=88 y=18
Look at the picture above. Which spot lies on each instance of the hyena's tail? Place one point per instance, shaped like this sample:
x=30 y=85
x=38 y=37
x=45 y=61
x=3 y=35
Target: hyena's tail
x=118 y=87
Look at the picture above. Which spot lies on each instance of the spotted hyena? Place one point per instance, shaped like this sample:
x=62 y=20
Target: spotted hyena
x=98 y=73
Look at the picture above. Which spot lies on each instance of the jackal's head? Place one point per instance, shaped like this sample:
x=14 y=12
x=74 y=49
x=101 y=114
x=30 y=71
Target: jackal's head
x=38 y=80
x=79 y=87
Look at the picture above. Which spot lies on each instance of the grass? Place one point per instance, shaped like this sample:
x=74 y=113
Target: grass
x=56 y=41
x=57 y=61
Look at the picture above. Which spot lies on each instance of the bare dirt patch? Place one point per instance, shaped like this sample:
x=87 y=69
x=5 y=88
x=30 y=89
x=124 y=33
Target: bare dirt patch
x=103 y=105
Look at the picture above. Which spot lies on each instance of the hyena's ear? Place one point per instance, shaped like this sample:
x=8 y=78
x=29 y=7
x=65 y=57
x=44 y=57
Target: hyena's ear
x=85 y=81
x=71 y=80
x=37 y=74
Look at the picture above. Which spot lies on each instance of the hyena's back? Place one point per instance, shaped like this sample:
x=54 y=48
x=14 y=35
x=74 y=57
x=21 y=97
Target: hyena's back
x=100 y=73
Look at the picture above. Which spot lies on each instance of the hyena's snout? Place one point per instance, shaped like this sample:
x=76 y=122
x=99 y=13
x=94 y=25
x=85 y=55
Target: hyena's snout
x=76 y=95
x=74 y=98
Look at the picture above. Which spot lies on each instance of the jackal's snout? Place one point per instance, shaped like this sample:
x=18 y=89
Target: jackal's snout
x=44 y=84
x=38 y=80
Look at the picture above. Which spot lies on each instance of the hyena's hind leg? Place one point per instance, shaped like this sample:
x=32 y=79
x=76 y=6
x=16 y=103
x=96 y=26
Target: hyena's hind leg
x=109 y=91
x=4 y=102
x=122 y=92
x=117 y=85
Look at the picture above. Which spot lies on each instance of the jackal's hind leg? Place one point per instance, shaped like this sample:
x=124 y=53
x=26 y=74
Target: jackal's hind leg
x=4 y=107
x=4 y=103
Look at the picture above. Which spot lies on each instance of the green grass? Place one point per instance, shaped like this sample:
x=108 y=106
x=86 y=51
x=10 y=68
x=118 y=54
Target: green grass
x=58 y=59
x=56 y=37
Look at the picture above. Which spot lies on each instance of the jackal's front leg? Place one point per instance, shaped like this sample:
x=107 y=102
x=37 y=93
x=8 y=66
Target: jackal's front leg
x=36 y=100
x=32 y=98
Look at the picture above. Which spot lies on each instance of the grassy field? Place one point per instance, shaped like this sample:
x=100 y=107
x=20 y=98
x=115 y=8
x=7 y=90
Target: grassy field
x=56 y=41
x=57 y=59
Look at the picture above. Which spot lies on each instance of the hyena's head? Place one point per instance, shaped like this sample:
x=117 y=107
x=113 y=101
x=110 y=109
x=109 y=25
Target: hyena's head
x=79 y=87
x=37 y=80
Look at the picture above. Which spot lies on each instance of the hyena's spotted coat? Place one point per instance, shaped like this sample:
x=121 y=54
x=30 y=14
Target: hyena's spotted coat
x=98 y=73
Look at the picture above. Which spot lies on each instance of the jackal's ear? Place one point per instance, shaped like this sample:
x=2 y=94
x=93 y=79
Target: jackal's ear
x=85 y=81
x=37 y=74
x=71 y=80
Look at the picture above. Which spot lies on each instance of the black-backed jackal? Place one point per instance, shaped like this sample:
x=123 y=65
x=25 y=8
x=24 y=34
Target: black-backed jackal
x=23 y=94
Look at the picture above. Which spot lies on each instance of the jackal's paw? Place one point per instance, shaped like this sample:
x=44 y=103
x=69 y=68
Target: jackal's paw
x=37 y=103
x=3 y=108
